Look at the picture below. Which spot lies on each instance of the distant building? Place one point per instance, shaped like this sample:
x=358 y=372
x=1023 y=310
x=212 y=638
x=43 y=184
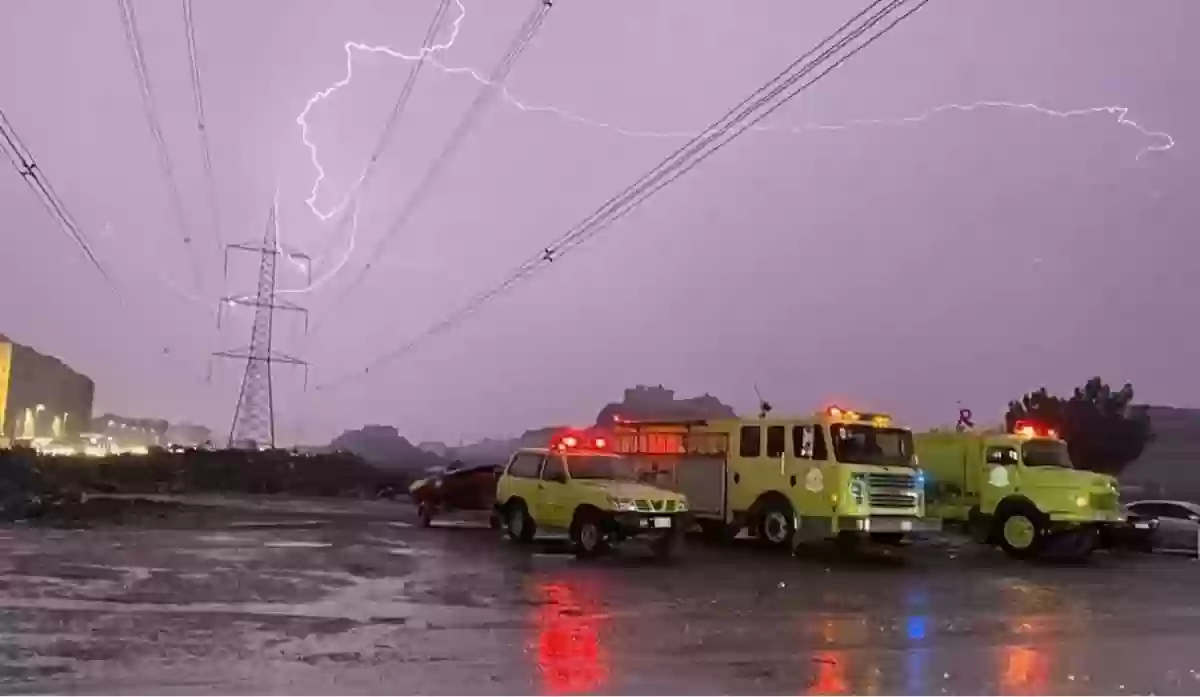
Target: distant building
x=189 y=435
x=130 y=432
x=41 y=396
x=1170 y=465
x=643 y=402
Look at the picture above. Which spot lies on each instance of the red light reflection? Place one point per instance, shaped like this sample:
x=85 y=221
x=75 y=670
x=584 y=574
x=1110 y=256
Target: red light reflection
x=570 y=656
x=1026 y=671
x=831 y=674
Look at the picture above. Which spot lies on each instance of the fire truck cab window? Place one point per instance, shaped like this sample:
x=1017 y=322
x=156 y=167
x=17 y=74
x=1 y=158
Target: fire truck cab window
x=750 y=441
x=1002 y=455
x=776 y=441
x=808 y=442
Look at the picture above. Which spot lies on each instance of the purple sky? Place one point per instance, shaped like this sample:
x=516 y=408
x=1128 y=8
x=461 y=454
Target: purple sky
x=969 y=256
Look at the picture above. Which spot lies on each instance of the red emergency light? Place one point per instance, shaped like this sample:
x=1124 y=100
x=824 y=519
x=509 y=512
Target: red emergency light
x=840 y=413
x=573 y=440
x=1032 y=429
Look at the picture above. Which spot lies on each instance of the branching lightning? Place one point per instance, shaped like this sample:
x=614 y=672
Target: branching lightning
x=1166 y=142
x=1162 y=141
x=350 y=48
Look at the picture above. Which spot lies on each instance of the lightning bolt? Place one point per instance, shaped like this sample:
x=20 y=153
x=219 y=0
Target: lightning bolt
x=1166 y=142
x=1121 y=113
x=350 y=48
x=346 y=254
x=1163 y=141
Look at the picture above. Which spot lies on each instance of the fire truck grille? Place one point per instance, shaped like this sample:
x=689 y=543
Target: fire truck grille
x=889 y=490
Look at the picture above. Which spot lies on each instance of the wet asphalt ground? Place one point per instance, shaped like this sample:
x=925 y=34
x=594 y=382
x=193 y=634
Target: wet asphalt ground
x=319 y=597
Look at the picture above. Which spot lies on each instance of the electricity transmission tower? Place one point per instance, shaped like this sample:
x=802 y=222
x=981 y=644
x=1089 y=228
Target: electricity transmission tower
x=254 y=414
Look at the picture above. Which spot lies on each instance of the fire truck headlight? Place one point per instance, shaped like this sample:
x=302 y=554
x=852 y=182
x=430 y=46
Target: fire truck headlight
x=858 y=490
x=1081 y=501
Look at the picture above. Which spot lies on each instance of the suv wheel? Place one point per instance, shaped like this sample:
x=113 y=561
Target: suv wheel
x=587 y=535
x=520 y=526
x=670 y=545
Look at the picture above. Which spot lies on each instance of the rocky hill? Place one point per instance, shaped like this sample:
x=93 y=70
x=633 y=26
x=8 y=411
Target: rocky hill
x=384 y=448
x=643 y=402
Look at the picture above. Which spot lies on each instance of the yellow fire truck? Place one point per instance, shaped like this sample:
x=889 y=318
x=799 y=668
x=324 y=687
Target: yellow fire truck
x=834 y=474
x=1017 y=490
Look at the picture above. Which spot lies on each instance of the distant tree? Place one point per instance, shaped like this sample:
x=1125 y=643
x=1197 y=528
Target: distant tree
x=1104 y=431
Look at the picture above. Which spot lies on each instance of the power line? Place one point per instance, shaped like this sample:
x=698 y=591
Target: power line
x=133 y=39
x=22 y=160
x=681 y=161
x=201 y=124
x=495 y=80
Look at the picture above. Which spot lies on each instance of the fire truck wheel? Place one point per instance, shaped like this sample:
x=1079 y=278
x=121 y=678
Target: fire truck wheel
x=587 y=534
x=1021 y=531
x=1075 y=545
x=424 y=515
x=521 y=527
x=776 y=526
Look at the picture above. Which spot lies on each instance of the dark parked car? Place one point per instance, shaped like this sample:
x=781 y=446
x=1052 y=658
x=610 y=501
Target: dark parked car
x=458 y=489
x=1178 y=527
x=1138 y=532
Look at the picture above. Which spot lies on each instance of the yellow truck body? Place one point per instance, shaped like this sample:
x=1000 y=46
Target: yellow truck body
x=1018 y=490
x=833 y=474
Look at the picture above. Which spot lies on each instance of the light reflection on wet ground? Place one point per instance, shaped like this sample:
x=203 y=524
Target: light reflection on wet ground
x=284 y=599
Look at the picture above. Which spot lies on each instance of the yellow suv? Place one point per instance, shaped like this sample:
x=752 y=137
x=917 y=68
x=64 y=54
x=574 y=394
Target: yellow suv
x=578 y=487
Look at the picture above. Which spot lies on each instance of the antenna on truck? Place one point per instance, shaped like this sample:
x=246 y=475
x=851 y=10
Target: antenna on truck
x=764 y=407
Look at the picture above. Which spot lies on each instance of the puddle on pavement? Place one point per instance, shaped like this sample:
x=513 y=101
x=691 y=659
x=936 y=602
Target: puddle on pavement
x=276 y=524
x=410 y=552
x=297 y=543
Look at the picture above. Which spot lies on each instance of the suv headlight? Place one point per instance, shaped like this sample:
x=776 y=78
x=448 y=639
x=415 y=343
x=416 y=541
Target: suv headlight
x=619 y=504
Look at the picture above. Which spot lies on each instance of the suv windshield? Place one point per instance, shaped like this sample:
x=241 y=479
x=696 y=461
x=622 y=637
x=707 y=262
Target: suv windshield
x=1042 y=452
x=600 y=467
x=869 y=445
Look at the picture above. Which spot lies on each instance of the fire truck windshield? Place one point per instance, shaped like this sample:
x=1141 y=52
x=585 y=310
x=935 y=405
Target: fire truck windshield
x=861 y=444
x=1044 y=452
x=600 y=467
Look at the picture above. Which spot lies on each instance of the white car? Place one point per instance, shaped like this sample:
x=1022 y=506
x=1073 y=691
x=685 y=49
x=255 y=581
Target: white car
x=1178 y=523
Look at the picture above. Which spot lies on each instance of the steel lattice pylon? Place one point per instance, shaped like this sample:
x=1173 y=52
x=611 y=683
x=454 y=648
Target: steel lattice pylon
x=254 y=414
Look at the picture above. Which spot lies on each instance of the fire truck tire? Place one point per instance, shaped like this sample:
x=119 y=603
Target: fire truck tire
x=776 y=523
x=520 y=526
x=1021 y=530
x=587 y=534
x=1075 y=545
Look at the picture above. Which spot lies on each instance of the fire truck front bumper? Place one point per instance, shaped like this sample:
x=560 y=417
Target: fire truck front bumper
x=888 y=524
